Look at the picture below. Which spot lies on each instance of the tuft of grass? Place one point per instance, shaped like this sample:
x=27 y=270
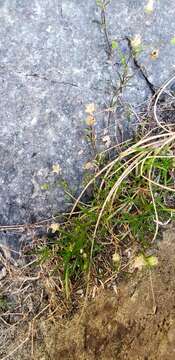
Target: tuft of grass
x=131 y=198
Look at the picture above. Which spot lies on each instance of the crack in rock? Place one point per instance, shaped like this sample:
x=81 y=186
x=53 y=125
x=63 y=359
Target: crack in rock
x=139 y=67
x=43 y=77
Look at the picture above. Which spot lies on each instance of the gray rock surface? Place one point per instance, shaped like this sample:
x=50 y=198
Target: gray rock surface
x=54 y=60
x=156 y=29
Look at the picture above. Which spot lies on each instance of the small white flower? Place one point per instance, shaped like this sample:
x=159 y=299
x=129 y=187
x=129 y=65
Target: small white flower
x=136 y=41
x=54 y=227
x=149 y=7
x=90 y=108
x=88 y=166
x=106 y=139
x=90 y=120
x=116 y=258
x=56 y=169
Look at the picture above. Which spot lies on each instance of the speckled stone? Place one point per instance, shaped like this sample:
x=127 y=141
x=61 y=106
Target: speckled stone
x=53 y=61
x=156 y=30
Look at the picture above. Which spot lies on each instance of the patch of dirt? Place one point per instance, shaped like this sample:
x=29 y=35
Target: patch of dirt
x=137 y=322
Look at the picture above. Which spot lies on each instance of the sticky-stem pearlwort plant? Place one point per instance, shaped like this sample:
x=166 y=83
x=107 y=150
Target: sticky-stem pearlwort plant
x=132 y=196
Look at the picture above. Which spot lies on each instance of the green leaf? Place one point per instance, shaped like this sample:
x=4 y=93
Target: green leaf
x=45 y=186
x=152 y=261
x=114 y=44
x=172 y=40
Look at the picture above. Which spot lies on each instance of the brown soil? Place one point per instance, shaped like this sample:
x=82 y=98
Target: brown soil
x=137 y=322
